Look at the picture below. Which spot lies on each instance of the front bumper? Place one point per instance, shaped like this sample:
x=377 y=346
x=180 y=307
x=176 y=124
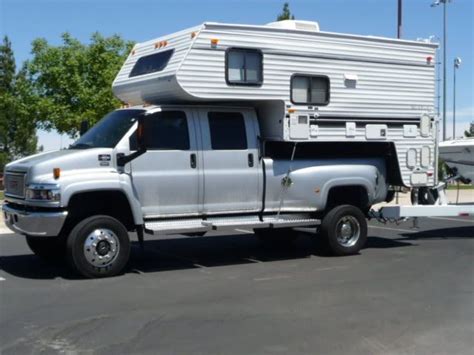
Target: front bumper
x=34 y=223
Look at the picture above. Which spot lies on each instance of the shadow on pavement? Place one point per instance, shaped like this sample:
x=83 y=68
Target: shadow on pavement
x=188 y=253
x=464 y=232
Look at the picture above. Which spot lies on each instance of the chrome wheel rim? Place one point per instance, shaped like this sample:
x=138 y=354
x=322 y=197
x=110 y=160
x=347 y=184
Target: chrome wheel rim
x=101 y=247
x=348 y=231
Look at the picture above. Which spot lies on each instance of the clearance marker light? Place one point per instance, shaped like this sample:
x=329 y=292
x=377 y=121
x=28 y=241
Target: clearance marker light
x=161 y=44
x=214 y=42
x=56 y=173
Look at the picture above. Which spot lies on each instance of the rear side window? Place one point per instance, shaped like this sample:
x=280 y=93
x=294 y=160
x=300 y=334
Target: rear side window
x=310 y=89
x=151 y=63
x=169 y=131
x=227 y=131
x=244 y=66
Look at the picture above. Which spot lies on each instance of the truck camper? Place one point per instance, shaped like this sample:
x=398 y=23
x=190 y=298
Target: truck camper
x=230 y=126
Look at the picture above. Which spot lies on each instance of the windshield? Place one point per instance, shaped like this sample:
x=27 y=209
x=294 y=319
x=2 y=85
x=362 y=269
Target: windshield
x=108 y=131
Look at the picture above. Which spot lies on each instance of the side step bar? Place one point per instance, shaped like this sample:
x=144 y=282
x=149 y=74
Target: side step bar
x=198 y=225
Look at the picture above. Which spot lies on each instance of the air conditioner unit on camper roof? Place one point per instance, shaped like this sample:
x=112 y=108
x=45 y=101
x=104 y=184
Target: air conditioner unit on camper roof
x=296 y=25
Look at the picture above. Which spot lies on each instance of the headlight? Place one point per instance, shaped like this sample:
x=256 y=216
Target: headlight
x=43 y=193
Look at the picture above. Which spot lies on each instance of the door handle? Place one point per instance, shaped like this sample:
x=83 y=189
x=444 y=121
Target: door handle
x=250 y=160
x=193 y=161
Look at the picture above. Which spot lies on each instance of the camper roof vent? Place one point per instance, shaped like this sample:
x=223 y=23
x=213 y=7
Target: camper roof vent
x=296 y=25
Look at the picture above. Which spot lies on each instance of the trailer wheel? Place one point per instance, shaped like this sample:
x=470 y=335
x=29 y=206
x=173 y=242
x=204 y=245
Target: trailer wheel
x=344 y=230
x=98 y=246
x=47 y=248
x=276 y=237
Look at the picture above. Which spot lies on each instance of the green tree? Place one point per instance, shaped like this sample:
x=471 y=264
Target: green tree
x=17 y=128
x=470 y=133
x=72 y=82
x=286 y=14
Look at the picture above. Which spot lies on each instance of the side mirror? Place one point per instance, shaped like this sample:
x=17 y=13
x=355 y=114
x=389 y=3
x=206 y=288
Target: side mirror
x=84 y=127
x=142 y=142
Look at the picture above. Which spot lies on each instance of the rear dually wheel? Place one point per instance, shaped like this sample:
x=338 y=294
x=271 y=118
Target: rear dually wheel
x=344 y=230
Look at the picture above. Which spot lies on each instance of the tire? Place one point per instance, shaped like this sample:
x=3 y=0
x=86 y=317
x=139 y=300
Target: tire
x=344 y=230
x=47 y=248
x=279 y=237
x=99 y=246
x=426 y=196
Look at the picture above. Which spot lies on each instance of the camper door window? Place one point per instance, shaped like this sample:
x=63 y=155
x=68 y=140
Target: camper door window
x=244 y=66
x=151 y=63
x=310 y=89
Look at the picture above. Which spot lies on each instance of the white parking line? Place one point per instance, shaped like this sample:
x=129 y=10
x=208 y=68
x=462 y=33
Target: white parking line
x=395 y=229
x=453 y=219
x=2 y=279
x=243 y=231
x=277 y=277
x=253 y=260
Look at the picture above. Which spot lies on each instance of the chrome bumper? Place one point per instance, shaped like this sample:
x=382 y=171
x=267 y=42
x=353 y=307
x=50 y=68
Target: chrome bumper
x=40 y=224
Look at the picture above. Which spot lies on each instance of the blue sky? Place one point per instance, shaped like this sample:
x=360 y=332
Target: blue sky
x=139 y=20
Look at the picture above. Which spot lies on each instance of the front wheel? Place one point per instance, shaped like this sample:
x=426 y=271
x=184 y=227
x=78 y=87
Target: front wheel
x=344 y=230
x=98 y=246
x=47 y=248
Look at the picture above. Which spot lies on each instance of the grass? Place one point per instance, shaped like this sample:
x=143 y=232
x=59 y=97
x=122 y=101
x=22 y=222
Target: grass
x=461 y=187
x=2 y=195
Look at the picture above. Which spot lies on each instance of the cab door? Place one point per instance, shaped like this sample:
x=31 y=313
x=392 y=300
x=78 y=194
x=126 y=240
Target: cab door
x=166 y=177
x=231 y=165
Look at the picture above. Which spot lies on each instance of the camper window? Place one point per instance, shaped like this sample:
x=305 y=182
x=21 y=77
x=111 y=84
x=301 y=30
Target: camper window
x=244 y=66
x=310 y=89
x=151 y=63
x=227 y=131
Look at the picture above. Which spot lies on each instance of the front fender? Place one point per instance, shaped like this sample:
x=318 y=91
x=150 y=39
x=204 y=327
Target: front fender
x=102 y=181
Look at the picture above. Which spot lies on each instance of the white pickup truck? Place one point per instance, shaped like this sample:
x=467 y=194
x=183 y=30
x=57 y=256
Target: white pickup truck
x=188 y=170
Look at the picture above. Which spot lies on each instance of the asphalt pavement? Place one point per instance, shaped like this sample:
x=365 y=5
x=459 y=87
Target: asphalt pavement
x=410 y=291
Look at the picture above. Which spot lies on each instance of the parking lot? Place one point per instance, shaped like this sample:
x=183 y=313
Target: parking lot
x=409 y=291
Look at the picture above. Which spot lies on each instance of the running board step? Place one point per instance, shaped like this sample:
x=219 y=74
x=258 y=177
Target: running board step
x=198 y=225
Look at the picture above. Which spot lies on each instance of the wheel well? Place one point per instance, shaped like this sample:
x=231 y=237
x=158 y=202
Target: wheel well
x=110 y=203
x=348 y=195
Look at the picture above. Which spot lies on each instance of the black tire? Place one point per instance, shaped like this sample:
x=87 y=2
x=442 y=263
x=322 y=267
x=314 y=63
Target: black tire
x=47 y=248
x=344 y=230
x=276 y=237
x=426 y=196
x=91 y=243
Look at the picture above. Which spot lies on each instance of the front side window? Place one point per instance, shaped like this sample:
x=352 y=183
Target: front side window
x=227 y=131
x=151 y=63
x=244 y=66
x=310 y=89
x=168 y=130
x=108 y=131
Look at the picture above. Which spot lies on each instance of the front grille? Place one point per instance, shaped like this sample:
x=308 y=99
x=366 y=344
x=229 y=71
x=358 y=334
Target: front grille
x=15 y=184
